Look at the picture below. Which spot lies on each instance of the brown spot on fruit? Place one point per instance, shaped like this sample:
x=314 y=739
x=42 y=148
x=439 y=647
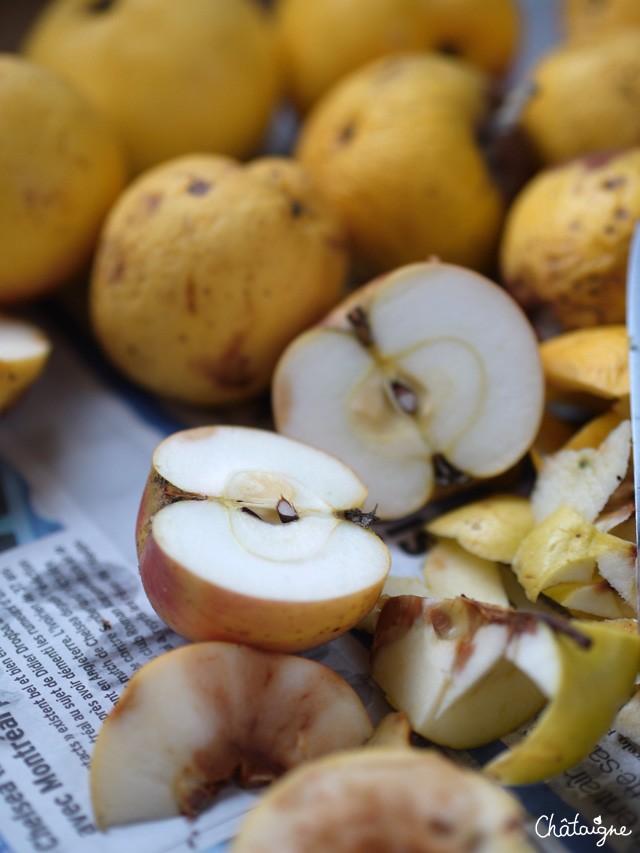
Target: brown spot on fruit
x=232 y=370
x=346 y=133
x=190 y=291
x=198 y=186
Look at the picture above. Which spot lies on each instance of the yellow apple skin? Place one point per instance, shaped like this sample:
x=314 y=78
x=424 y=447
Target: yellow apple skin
x=566 y=238
x=206 y=268
x=595 y=683
x=586 y=19
x=393 y=146
x=199 y=610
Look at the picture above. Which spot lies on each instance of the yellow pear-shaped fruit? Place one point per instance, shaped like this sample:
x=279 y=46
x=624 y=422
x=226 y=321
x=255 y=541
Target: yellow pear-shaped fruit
x=589 y=19
x=360 y=31
x=394 y=147
x=61 y=168
x=604 y=665
x=207 y=268
x=566 y=238
x=585 y=97
x=173 y=78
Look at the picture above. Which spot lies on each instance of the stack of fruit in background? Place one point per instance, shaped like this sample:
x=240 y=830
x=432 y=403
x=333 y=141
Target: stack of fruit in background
x=348 y=207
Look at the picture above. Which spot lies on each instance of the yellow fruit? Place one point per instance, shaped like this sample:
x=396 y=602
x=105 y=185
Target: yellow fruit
x=585 y=97
x=566 y=238
x=60 y=169
x=584 y=18
x=394 y=147
x=323 y=42
x=24 y=352
x=173 y=78
x=207 y=268
x=592 y=361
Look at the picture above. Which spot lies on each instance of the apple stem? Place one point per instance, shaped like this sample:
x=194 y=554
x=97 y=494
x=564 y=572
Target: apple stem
x=360 y=324
x=358 y=516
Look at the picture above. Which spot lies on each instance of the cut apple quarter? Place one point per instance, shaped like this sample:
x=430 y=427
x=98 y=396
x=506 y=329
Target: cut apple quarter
x=24 y=351
x=249 y=536
x=389 y=798
x=208 y=714
x=468 y=673
x=429 y=368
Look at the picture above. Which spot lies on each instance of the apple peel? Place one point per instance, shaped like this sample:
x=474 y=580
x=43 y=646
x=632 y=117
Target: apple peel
x=207 y=714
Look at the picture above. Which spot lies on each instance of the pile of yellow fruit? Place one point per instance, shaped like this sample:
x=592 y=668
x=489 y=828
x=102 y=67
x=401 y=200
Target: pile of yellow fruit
x=351 y=208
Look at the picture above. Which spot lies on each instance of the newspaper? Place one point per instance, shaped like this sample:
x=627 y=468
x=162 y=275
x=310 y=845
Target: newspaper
x=75 y=625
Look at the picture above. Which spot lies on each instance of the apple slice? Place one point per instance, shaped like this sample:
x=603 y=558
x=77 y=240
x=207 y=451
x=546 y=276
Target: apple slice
x=449 y=571
x=595 y=598
x=386 y=799
x=24 y=351
x=445 y=663
x=565 y=548
x=430 y=366
x=208 y=714
x=583 y=478
x=491 y=528
x=595 y=660
x=248 y=536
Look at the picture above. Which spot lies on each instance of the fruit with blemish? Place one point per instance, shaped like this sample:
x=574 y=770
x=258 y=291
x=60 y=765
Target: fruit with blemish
x=207 y=268
x=208 y=715
x=430 y=371
x=248 y=536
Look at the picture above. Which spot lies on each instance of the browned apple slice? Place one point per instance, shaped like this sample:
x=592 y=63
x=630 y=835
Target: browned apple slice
x=206 y=714
x=248 y=536
x=430 y=365
x=385 y=799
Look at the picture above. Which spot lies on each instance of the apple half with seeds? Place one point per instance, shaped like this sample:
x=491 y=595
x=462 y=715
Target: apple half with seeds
x=249 y=536
x=429 y=373
x=208 y=714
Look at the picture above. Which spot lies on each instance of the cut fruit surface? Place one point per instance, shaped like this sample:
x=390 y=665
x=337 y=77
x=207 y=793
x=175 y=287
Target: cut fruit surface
x=208 y=714
x=431 y=360
x=24 y=351
x=249 y=536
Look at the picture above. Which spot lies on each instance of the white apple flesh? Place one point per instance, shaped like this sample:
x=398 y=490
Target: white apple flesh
x=24 y=351
x=248 y=536
x=430 y=361
x=207 y=714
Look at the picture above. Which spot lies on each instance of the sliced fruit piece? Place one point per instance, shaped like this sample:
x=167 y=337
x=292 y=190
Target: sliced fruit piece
x=449 y=571
x=491 y=528
x=249 y=536
x=591 y=362
x=583 y=479
x=564 y=548
x=445 y=663
x=596 y=598
x=594 y=432
x=24 y=351
x=399 y=377
x=394 y=585
x=384 y=799
x=206 y=714
x=597 y=661
x=627 y=721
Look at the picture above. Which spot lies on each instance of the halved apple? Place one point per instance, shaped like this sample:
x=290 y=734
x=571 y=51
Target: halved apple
x=207 y=714
x=248 y=536
x=24 y=351
x=430 y=367
x=391 y=799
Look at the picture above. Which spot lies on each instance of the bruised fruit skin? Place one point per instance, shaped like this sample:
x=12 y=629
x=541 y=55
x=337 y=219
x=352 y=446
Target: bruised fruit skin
x=585 y=97
x=384 y=799
x=206 y=269
x=394 y=147
x=208 y=714
x=566 y=238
